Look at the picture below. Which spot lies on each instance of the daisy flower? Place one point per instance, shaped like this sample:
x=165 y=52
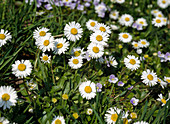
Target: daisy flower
x=41 y=32
x=125 y=118
x=67 y=1
x=141 y=122
x=60 y=46
x=91 y=24
x=125 y=37
x=99 y=38
x=165 y=21
x=31 y=84
x=3 y=120
x=75 y=62
x=139 y=51
x=114 y=14
x=126 y=20
x=113 y=79
x=95 y=50
x=4 y=37
x=22 y=68
x=45 y=58
x=73 y=31
x=161 y=99
x=45 y=43
x=159 y=14
x=87 y=90
x=112 y=61
x=89 y=111
x=112 y=115
x=163 y=3
x=135 y=45
x=103 y=28
x=58 y=120
x=154 y=12
x=149 y=77
x=78 y=52
x=133 y=115
x=141 y=21
x=143 y=43
x=8 y=97
x=162 y=83
x=114 y=27
x=157 y=22
x=132 y=62
x=134 y=101
x=120 y=1
x=167 y=79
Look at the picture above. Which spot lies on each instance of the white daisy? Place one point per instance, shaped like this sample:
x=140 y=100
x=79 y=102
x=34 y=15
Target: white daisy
x=158 y=22
x=163 y=3
x=41 y=32
x=149 y=77
x=78 y=52
x=114 y=27
x=154 y=12
x=141 y=122
x=114 y=14
x=167 y=79
x=22 y=68
x=46 y=43
x=75 y=62
x=162 y=83
x=135 y=45
x=8 y=97
x=141 y=21
x=103 y=28
x=143 y=43
x=67 y=1
x=134 y=101
x=113 y=61
x=159 y=14
x=165 y=21
x=132 y=62
x=120 y=1
x=87 y=90
x=161 y=99
x=139 y=51
x=125 y=118
x=45 y=58
x=3 y=120
x=99 y=38
x=112 y=115
x=4 y=37
x=125 y=37
x=95 y=50
x=73 y=31
x=58 y=120
x=91 y=24
x=89 y=111
x=60 y=46
x=31 y=84
x=126 y=20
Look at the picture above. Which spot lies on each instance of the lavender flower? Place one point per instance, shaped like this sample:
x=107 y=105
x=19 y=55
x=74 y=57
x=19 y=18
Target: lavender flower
x=120 y=83
x=137 y=26
x=130 y=87
x=113 y=79
x=99 y=87
x=87 y=56
x=134 y=101
x=167 y=56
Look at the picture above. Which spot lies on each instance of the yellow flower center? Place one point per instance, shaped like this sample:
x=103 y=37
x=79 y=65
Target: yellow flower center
x=155 y=11
x=136 y=45
x=45 y=58
x=95 y=49
x=5 y=97
x=150 y=77
x=141 y=22
x=125 y=121
x=88 y=89
x=114 y=117
x=65 y=96
x=99 y=38
x=54 y=100
x=1 y=123
x=163 y=101
x=159 y=15
x=164 y=20
x=90 y=111
x=125 y=36
x=132 y=61
x=46 y=42
x=159 y=80
x=114 y=14
x=59 y=45
x=57 y=121
x=92 y=24
x=75 y=115
x=21 y=67
x=2 y=36
x=168 y=80
x=146 y=56
x=42 y=33
x=77 y=53
x=143 y=42
x=127 y=19
x=163 y=1
x=133 y=115
x=74 y=31
x=75 y=61
x=158 y=21
x=102 y=29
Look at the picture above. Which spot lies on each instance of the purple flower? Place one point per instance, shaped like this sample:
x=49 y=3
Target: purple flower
x=113 y=79
x=130 y=87
x=87 y=4
x=134 y=101
x=87 y=56
x=80 y=7
x=48 y=6
x=99 y=87
x=120 y=83
x=167 y=56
